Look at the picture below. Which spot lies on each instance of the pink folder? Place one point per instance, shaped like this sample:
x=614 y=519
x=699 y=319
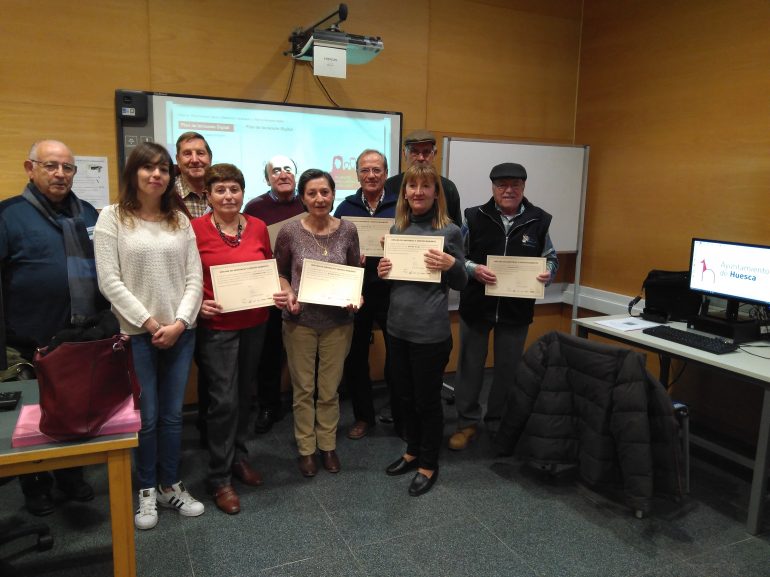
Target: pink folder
x=27 y=431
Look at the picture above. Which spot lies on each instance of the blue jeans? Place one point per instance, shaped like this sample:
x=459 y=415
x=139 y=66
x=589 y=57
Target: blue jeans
x=163 y=376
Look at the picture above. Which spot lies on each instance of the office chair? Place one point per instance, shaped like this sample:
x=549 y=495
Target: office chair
x=15 y=528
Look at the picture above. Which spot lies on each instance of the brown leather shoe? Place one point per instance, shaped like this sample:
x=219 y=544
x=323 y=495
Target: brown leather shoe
x=462 y=437
x=307 y=465
x=331 y=461
x=359 y=430
x=246 y=474
x=227 y=499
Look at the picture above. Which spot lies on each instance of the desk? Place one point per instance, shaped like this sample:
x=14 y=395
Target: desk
x=115 y=450
x=739 y=364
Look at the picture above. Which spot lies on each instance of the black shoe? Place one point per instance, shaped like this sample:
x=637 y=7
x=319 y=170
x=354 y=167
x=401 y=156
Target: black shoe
x=265 y=420
x=39 y=505
x=386 y=414
x=400 y=466
x=422 y=484
x=77 y=490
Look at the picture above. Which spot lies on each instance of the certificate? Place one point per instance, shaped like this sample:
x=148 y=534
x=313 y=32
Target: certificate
x=245 y=285
x=370 y=231
x=407 y=254
x=516 y=276
x=275 y=228
x=326 y=283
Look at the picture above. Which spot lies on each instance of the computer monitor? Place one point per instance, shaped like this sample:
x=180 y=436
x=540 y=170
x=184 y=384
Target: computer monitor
x=737 y=272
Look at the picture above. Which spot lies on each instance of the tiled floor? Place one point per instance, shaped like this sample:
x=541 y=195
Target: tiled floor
x=486 y=516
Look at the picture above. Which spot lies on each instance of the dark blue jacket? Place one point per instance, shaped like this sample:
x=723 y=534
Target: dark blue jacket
x=34 y=269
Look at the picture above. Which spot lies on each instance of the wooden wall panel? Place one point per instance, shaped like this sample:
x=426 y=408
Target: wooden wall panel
x=82 y=128
x=504 y=68
x=244 y=57
x=60 y=66
x=673 y=103
x=233 y=49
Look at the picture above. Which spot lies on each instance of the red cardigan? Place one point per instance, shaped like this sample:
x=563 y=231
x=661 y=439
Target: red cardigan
x=255 y=245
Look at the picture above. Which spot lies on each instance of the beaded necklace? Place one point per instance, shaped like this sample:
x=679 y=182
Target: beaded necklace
x=231 y=241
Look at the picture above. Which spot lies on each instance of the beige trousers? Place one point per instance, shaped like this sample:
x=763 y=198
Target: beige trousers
x=315 y=423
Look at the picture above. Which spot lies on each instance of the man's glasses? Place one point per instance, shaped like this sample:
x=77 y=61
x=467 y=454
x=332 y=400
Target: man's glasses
x=374 y=171
x=503 y=186
x=424 y=152
x=53 y=167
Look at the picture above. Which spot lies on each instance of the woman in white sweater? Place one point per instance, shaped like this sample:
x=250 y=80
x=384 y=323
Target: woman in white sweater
x=148 y=267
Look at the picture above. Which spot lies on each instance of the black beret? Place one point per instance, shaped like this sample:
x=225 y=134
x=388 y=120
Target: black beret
x=508 y=170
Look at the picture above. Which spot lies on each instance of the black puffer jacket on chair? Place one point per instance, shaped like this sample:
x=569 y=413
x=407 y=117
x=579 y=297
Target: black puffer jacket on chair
x=581 y=402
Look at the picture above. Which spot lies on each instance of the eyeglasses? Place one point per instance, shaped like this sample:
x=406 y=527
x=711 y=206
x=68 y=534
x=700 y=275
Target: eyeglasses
x=374 y=171
x=53 y=167
x=426 y=152
x=279 y=169
x=503 y=186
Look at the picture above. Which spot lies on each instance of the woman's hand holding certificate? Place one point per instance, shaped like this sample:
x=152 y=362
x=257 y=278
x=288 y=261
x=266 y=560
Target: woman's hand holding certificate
x=415 y=258
x=245 y=285
x=325 y=283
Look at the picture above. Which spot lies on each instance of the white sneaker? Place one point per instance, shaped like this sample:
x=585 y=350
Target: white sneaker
x=180 y=499
x=147 y=514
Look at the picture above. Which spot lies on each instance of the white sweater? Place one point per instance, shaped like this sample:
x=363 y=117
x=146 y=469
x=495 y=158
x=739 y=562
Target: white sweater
x=147 y=270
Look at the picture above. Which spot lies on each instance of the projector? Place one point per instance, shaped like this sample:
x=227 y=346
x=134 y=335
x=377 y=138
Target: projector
x=359 y=49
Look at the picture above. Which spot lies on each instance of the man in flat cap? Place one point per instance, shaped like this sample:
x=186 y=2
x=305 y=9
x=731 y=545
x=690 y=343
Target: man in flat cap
x=507 y=225
x=420 y=148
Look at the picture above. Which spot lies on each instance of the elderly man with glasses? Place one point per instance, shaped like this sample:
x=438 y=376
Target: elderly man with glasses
x=507 y=225
x=420 y=148
x=371 y=200
x=42 y=232
x=277 y=206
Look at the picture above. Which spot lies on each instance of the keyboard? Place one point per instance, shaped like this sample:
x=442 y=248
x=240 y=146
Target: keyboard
x=714 y=345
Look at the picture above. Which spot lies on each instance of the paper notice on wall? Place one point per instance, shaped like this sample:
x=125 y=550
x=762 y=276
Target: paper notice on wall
x=92 y=181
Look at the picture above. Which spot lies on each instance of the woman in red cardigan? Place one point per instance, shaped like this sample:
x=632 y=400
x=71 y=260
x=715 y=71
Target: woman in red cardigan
x=229 y=344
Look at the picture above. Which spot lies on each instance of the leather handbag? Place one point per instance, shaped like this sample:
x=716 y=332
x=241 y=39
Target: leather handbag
x=83 y=384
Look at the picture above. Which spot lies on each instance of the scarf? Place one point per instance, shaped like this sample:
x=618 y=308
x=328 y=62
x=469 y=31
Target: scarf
x=81 y=265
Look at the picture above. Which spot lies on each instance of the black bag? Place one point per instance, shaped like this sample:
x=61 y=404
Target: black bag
x=668 y=297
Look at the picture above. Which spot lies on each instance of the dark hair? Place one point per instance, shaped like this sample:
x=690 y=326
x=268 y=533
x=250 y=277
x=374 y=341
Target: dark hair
x=415 y=173
x=222 y=172
x=311 y=174
x=192 y=136
x=128 y=198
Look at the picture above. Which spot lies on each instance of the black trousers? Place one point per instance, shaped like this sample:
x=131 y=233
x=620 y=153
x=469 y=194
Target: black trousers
x=34 y=484
x=417 y=370
x=270 y=363
x=356 y=374
x=229 y=361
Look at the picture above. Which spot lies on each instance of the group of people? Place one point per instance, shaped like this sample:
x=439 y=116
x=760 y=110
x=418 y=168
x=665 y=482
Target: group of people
x=151 y=259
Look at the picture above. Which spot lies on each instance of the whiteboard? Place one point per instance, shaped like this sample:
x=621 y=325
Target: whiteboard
x=555 y=179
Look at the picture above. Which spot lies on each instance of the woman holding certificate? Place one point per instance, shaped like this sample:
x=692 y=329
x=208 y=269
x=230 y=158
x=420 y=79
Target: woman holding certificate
x=229 y=338
x=315 y=329
x=149 y=269
x=419 y=334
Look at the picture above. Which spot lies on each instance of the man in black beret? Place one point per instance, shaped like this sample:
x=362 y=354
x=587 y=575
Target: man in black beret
x=507 y=225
